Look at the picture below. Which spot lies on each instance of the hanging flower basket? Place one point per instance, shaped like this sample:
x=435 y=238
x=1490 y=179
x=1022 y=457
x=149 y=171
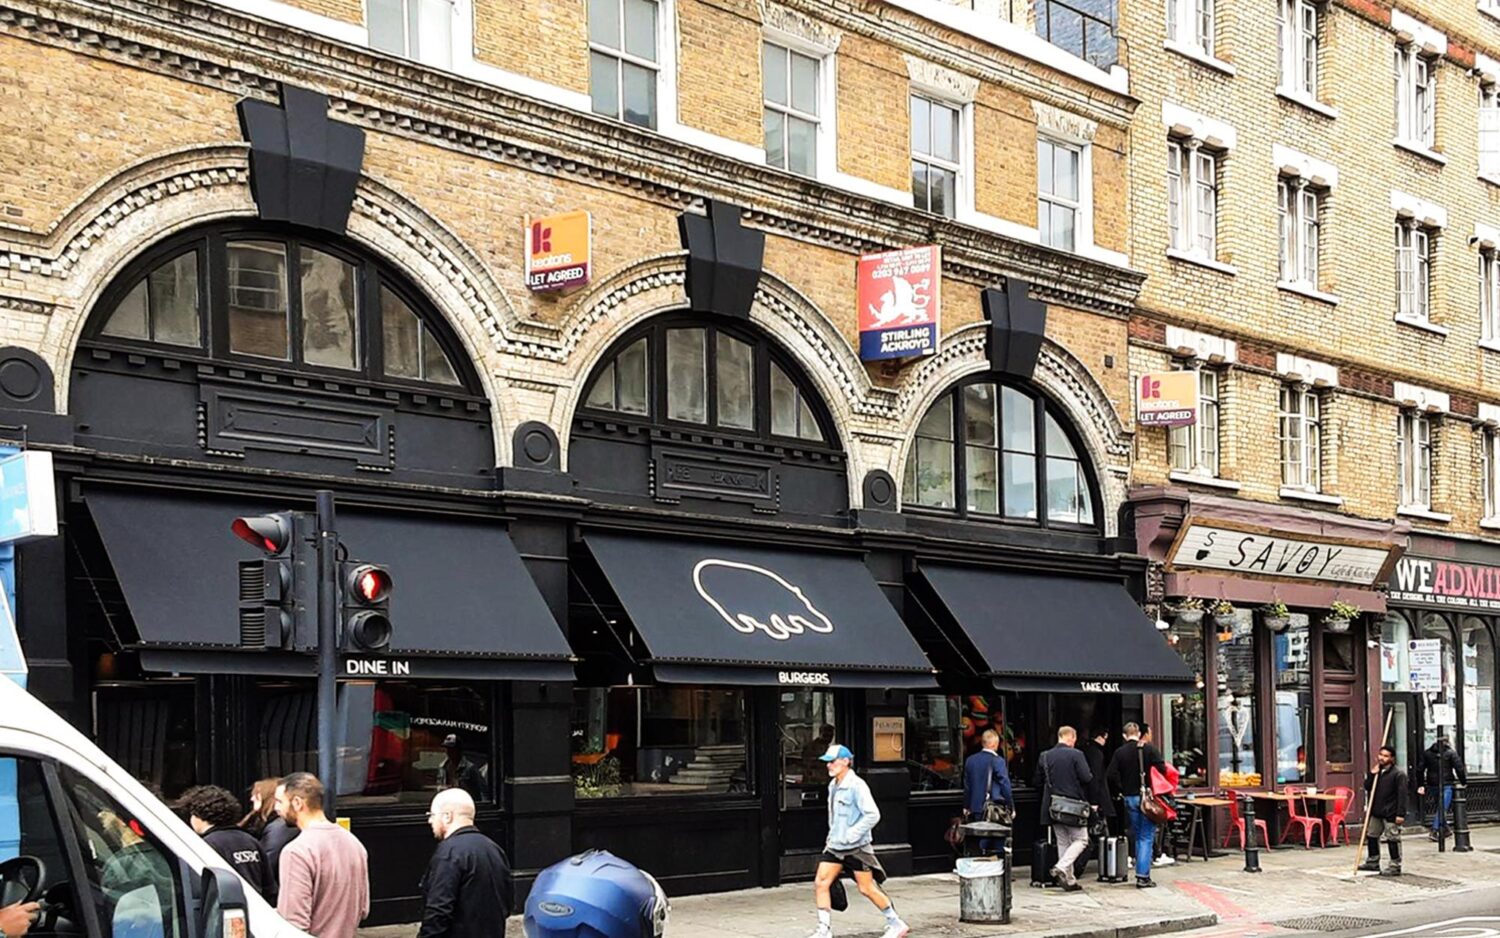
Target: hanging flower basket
x=1277 y=624
x=1336 y=624
x=1339 y=616
x=1224 y=615
x=1189 y=612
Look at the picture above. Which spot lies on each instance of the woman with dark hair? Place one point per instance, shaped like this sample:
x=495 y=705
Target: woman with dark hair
x=262 y=806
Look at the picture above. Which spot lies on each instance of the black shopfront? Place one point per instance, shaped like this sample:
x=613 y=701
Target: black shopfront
x=644 y=650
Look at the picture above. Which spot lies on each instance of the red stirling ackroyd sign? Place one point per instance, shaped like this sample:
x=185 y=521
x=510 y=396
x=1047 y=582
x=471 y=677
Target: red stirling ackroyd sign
x=1446 y=583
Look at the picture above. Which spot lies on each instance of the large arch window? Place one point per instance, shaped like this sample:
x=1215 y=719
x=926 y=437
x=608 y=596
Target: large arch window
x=269 y=296
x=987 y=449
x=694 y=375
x=1478 y=697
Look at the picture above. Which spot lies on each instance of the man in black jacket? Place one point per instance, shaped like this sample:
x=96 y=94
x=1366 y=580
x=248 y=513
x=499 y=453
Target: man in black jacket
x=1063 y=771
x=466 y=891
x=1093 y=752
x=1386 y=788
x=214 y=812
x=1440 y=767
x=1131 y=761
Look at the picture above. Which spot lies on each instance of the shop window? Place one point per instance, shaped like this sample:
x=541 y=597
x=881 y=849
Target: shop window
x=988 y=449
x=659 y=741
x=162 y=306
x=402 y=740
x=277 y=300
x=807 y=723
x=1184 y=731
x=151 y=730
x=623 y=59
x=131 y=878
x=1338 y=735
x=1339 y=654
x=1004 y=713
x=1395 y=658
x=713 y=376
x=414 y=29
x=935 y=741
x=1479 y=698
x=1239 y=703
x=1291 y=658
x=792 y=88
x=1434 y=724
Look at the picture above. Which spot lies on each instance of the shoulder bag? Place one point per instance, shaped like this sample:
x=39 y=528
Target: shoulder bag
x=996 y=812
x=1151 y=806
x=1064 y=810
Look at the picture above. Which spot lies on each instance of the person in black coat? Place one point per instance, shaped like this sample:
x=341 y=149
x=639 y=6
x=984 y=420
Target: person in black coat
x=1093 y=751
x=214 y=813
x=1135 y=758
x=1440 y=768
x=1063 y=771
x=466 y=892
x=273 y=840
x=1387 y=787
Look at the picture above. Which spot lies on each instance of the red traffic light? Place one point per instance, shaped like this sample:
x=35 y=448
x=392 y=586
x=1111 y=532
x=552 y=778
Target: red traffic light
x=369 y=583
x=270 y=533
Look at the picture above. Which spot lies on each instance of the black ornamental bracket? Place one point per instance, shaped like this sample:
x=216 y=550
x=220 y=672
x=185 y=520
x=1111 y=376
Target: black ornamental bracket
x=1017 y=326
x=303 y=166
x=724 y=260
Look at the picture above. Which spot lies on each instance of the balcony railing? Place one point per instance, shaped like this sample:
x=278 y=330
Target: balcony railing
x=1086 y=28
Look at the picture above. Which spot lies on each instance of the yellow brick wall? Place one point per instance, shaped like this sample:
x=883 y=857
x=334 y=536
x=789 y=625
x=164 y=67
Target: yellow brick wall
x=719 y=71
x=346 y=11
x=874 y=115
x=546 y=40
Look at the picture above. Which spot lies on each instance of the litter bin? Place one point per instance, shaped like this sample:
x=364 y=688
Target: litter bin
x=984 y=882
x=595 y=895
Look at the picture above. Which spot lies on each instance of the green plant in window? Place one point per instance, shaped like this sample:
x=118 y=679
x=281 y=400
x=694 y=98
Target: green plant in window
x=599 y=780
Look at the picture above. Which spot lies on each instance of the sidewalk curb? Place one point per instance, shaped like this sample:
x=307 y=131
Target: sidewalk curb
x=1165 y=926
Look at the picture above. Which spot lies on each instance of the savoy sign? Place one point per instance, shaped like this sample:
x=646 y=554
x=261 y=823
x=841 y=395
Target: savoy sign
x=1219 y=546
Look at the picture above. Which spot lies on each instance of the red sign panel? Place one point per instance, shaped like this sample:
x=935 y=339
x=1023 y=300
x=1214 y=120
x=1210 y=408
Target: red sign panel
x=899 y=302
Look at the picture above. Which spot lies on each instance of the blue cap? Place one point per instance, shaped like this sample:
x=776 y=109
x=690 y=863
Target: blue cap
x=836 y=752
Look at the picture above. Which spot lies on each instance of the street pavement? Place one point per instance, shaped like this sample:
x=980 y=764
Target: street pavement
x=1299 y=892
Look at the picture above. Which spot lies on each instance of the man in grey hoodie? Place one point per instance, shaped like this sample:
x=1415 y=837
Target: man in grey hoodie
x=852 y=816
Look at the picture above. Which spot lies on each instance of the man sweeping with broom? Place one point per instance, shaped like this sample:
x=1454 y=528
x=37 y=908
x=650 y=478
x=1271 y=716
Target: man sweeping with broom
x=1385 y=786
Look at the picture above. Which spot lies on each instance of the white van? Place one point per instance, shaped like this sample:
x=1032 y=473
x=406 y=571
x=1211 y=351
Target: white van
x=102 y=854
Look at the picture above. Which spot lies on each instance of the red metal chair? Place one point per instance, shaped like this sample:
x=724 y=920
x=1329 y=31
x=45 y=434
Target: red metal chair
x=1237 y=823
x=1296 y=810
x=1338 y=812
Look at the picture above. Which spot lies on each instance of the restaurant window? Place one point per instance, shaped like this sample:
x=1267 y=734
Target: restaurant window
x=1395 y=658
x=1479 y=698
x=934 y=741
x=632 y=742
x=1338 y=735
x=807 y=723
x=283 y=301
x=1007 y=716
x=987 y=449
x=707 y=376
x=1339 y=653
x=402 y=740
x=1239 y=702
x=623 y=59
x=1437 y=627
x=1184 y=731
x=1291 y=658
x=150 y=728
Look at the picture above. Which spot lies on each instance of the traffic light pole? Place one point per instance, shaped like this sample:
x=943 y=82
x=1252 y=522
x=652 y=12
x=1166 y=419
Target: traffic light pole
x=328 y=604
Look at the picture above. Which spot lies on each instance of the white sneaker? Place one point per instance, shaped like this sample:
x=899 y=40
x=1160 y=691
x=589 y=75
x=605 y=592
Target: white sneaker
x=1165 y=859
x=898 y=930
x=824 y=931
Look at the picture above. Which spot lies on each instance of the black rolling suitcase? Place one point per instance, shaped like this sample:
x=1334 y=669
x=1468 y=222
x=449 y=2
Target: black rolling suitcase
x=1043 y=859
x=1114 y=859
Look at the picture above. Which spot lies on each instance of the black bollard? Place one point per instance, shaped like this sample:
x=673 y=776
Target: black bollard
x=1442 y=816
x=1252 y=852
x=1461 y=820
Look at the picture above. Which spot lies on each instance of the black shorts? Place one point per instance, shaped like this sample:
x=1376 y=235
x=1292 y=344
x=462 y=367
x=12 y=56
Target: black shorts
x=851 y=863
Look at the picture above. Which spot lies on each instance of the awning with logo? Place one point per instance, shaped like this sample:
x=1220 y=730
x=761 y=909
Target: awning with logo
x=462 y=606
x=1056 y=633
x=712 y=613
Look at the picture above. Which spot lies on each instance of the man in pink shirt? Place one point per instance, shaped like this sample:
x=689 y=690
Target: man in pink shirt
x=325 y=881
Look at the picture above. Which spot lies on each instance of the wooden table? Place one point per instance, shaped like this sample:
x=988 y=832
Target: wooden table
x=1197 y=804
x=1273 y=822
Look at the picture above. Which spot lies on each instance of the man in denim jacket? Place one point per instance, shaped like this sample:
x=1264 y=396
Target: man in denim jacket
x=852 y=816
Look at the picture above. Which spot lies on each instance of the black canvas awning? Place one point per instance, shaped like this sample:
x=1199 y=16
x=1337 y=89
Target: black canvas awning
x=463 y=603
x=720 y=614
x=1057 y=633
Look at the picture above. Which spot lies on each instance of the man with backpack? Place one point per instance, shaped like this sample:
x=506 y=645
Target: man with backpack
x=987 y=792
x=1062 y=773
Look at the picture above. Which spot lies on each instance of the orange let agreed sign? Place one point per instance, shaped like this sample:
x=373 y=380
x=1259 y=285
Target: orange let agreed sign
x=557 y=251
x=1167 y=399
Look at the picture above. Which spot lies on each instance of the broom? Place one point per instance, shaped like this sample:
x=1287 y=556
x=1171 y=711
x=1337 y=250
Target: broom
x=1370 y=798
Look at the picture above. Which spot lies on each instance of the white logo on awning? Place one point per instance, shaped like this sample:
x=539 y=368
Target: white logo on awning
x=797 y=617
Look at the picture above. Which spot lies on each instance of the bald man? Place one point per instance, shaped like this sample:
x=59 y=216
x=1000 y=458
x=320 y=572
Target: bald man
x=467 y=886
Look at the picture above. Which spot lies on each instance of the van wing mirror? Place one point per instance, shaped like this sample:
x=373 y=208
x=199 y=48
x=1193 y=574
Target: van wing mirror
x=223 y=913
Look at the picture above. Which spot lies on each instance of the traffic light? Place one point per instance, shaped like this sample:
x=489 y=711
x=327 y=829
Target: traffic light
x=365 y=601
x=270 y=588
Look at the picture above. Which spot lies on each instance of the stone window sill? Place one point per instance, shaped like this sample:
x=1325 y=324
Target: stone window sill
x=1312 y=293
x=1419 y=149
x=1490 y=345
x=1306 y=495
x=1308 y=101
x=1199 y=56
x=1422 y=324
x=1490 y=524
x=1425 y=514
x=1187 y=257
x=1490 y=178
x=1193 y=478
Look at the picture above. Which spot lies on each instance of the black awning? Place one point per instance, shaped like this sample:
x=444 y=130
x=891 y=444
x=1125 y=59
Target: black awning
x=1060 y=634
x=714 y=613
x=463 y=601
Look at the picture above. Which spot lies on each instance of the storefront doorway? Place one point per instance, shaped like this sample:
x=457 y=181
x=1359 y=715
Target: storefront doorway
x=807 y=722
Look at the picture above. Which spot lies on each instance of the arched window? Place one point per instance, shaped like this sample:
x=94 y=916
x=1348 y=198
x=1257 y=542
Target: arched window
x=721 y=377
x=1438 y=627
x=270 y=297
x=1479 y=697
x=986 y=449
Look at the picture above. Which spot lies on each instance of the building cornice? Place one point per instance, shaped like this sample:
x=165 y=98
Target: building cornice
x=216 y=47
